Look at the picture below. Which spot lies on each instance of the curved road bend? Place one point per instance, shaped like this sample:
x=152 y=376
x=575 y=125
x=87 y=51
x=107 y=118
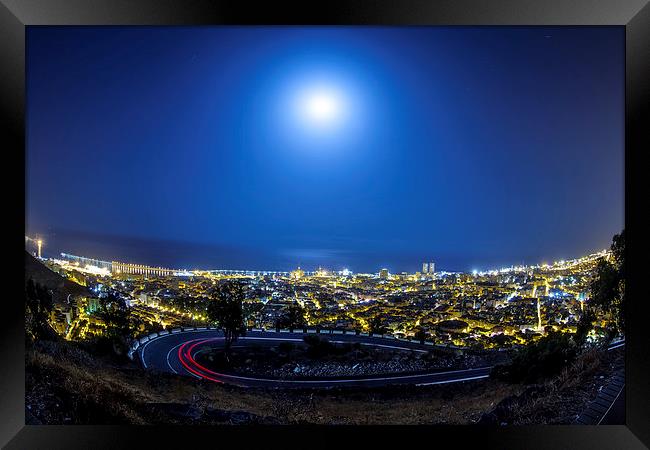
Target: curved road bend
x=176 y=353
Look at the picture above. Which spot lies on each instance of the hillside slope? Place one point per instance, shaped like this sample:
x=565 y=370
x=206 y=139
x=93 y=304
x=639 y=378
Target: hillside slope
x=42 y=275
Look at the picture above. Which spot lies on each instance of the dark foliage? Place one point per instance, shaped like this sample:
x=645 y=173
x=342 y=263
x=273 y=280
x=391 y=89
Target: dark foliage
x=376 y=326
x=608 y=285
x=585 y=324
x=420 y=335
x=120 y=324
x=539 y=360
x=286 y=347
x=318 y=347
x=292 y=318
x=38 y=305
x=251 y=310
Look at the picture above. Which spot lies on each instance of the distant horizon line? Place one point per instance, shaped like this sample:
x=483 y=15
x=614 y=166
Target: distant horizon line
x=104 y=242
x=321 y=268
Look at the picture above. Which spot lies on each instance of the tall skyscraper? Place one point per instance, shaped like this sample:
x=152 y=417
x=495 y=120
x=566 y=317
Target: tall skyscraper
x=432 y=268
x=383 y=273
x=425 y=268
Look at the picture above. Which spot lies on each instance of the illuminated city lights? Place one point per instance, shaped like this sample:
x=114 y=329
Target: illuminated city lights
x=519 y=302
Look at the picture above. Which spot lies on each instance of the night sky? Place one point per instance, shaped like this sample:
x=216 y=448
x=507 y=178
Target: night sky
x=357 y=147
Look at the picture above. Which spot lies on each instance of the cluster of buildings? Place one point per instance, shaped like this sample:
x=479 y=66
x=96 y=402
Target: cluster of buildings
x=486 y=309
x=76 y=318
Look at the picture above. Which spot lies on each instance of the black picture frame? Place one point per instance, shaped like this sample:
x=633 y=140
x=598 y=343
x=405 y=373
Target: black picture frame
x=634 y=15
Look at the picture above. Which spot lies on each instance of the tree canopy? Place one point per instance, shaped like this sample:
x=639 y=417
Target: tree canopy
x=225 y=310
x=120 y=324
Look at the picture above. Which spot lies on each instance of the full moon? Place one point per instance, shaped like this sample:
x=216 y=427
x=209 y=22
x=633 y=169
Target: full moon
x=319 y=112
x=322 y=107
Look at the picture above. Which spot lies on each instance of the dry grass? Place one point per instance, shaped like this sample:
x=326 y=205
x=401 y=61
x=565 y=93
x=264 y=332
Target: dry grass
x=397 y=405
x=562 y=398
x=72 y=388
x=65 y=383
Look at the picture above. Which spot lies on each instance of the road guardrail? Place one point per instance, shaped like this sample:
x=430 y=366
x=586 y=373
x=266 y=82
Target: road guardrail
x=138 y=342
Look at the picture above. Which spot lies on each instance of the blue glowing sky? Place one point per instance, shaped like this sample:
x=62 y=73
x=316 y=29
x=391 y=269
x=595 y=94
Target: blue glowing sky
x=359 y=147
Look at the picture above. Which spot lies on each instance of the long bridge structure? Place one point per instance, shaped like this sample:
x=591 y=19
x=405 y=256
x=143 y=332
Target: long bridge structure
x=83 y=261
x=117 y=267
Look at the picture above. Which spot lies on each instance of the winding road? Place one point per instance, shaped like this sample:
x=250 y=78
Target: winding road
x=175 y=353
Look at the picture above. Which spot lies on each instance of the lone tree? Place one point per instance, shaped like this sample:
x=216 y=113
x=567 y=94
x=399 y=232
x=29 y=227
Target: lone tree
x=226 y=311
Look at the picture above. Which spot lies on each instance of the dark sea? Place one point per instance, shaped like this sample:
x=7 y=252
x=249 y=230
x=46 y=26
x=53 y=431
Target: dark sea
x=164 y=253
x=274 y=256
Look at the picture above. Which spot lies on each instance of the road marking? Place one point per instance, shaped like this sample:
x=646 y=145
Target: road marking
x=393 y=346
x=143 y=347
x=453 y=381
x=351 y=380
x=616 y=346
x=610 y=406
x=172 y=349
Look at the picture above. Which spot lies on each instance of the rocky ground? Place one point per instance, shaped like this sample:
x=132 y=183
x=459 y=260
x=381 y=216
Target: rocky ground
x=296 y=362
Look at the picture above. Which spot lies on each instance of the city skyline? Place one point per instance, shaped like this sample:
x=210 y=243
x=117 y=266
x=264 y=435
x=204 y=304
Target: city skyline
x=357 y=147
